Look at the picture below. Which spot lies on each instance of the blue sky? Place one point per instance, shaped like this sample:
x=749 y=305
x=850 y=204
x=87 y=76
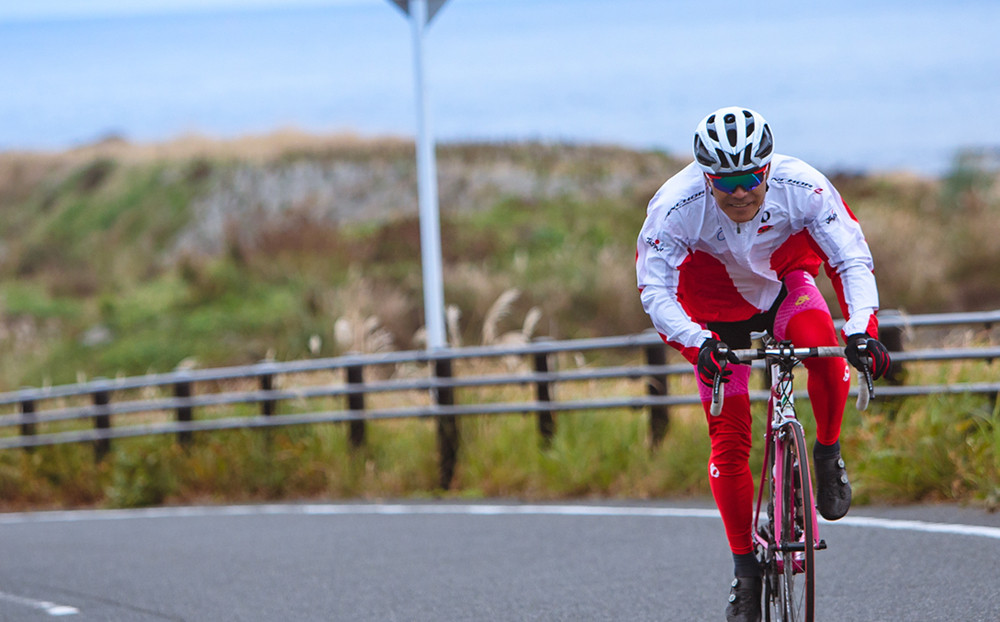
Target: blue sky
x=32 y=9
x=851 y=83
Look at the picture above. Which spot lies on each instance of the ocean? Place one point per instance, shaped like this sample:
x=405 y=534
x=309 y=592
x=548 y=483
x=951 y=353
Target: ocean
x=851 y=86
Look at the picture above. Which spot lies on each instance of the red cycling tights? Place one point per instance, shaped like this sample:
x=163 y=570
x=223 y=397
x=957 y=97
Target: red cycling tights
x=804 y=319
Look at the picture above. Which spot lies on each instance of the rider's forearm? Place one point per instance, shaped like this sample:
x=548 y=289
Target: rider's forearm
x=672 y=322
x=860 y=297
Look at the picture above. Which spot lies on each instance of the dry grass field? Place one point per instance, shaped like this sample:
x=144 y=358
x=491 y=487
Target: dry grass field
x=123 y=259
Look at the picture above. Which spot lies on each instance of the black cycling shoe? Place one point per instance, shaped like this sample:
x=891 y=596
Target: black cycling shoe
x=833 y=495
x=744 y=600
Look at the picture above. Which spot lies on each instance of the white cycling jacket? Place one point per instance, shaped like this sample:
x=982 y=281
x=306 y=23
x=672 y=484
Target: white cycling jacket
x=694 y=265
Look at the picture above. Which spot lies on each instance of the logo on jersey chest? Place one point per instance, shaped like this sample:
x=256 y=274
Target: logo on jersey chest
x=720 y=234
x=764 y=228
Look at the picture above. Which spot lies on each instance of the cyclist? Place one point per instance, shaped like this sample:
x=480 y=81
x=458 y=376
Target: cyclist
x=730 y=245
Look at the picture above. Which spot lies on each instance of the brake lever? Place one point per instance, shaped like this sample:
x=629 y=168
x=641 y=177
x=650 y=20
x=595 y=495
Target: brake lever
x=718 y=396
x=866 y=389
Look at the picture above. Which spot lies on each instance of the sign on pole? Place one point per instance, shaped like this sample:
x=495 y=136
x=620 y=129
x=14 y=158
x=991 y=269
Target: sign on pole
x=433 y=6
x=421 y=12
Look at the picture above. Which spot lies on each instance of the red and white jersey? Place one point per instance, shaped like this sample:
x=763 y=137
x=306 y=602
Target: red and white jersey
x=694 y=265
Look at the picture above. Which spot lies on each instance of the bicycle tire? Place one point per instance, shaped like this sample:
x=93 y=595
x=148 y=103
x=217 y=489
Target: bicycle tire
x=797 y=583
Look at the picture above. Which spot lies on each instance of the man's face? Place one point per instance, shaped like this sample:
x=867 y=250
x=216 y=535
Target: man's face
x=740 y=205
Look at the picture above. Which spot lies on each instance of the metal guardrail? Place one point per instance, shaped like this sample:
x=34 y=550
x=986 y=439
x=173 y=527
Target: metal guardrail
x=440 y=385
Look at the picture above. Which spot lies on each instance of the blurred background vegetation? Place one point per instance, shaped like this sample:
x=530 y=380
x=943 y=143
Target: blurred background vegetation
x=120 y=259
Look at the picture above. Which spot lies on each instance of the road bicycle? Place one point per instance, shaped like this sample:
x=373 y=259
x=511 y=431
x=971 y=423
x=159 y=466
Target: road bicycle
x=787 y=535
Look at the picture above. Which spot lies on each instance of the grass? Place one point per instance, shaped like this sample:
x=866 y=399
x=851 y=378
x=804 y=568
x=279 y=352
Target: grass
x=938 y=448
x=942 y=448
x=100 y=278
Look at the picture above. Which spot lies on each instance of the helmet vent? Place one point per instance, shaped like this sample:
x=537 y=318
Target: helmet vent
x=723 y=157
x=701 y=152
x=766 y=144
x=731 y=133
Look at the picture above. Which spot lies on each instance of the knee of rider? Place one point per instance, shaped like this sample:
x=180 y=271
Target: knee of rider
x=802 y=296
x=807 y=328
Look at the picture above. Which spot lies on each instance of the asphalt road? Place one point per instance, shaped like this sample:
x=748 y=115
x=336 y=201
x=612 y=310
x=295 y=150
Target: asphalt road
x=448 y=561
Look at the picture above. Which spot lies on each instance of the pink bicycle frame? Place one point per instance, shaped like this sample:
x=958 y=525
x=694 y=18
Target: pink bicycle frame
x=781 y=413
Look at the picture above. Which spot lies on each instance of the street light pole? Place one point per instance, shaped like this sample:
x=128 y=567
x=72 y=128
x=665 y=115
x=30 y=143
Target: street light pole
x=427 y=191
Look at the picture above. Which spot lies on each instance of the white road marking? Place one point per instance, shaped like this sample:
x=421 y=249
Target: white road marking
x=923 y=526
x=50 y=608
x=326 y=509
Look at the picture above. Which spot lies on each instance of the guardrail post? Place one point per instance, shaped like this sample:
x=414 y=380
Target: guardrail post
x=102 y=419
x=447 y=425
x=656 y=386
x=892 y=338
x=356 y=403
x=543 y=391
x=993 y=397
x=185 y=414
x=28 y=418
x=268 y=407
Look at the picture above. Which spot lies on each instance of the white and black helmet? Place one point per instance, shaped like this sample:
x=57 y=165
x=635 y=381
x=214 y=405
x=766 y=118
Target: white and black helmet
x=733 y=140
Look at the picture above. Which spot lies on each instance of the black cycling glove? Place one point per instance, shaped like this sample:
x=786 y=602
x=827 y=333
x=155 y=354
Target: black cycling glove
x=711 y=362
x=879 y=356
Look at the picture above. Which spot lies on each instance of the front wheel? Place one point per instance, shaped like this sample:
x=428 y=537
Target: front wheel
x=797 y=582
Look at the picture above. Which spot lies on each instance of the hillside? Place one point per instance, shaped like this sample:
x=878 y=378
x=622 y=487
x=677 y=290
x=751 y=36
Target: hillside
x=122 y=259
